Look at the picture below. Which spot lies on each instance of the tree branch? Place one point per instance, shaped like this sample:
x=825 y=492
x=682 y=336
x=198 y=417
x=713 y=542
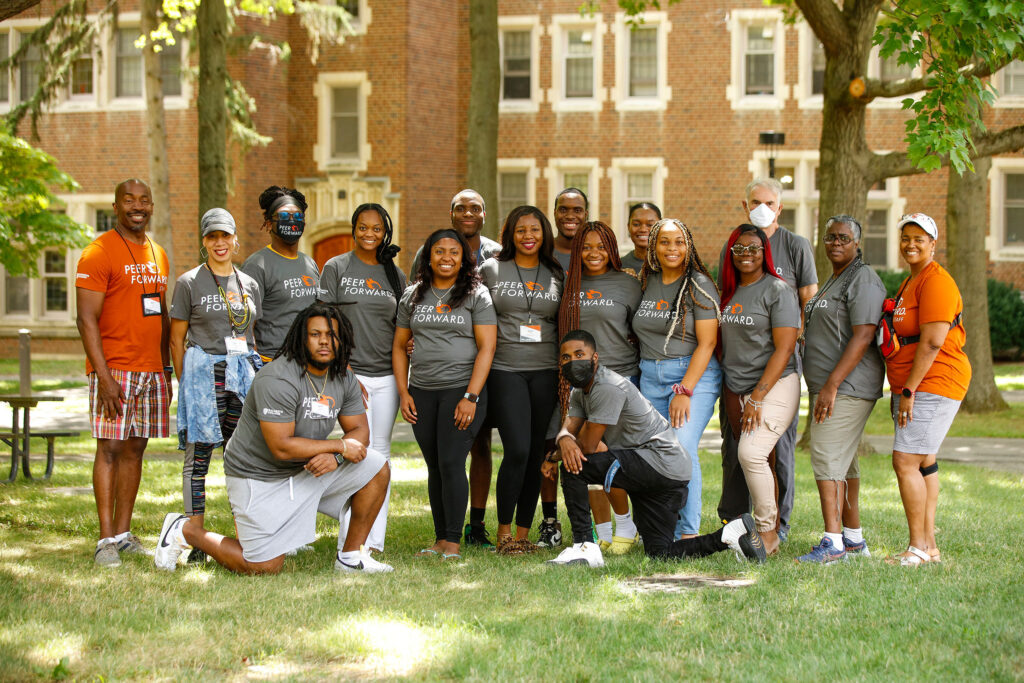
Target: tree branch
x=826 y=20
x=874 y=87
x=893 y=164
x=12 y=7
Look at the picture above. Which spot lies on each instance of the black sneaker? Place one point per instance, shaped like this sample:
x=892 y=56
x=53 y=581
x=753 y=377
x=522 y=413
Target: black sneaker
x=476 y=534
x=741 y=535
x=197 y=556
x=550 y=533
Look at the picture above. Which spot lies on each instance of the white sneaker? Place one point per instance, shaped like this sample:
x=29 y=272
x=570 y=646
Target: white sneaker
x=741 y=536
x=580 y=553
x=363 y=563
x=171 y=542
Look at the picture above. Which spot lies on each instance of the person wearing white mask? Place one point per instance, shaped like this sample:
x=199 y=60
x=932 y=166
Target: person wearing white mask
x=793 y=257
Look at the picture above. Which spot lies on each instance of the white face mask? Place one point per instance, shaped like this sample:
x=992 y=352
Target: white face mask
x=762 y=216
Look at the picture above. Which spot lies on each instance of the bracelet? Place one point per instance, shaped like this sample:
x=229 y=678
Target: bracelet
x=680 y=390
x=756 y=404
x=169 y=368
x=344 y=447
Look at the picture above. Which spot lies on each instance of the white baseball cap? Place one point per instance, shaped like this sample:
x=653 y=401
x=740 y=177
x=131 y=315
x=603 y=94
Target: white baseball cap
x=921 y=220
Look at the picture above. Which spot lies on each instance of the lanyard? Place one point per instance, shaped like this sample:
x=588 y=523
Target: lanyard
x=142 y=279
x=240 y=323
x=528 y=293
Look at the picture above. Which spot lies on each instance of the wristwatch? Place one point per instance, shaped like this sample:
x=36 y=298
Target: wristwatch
x=471 y=397
x=339 y=458
x=907 y=393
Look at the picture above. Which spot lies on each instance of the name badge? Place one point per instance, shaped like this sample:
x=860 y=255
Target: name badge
x=150 y=304
x=321 y=408
x=236 y=346
x=529 y=333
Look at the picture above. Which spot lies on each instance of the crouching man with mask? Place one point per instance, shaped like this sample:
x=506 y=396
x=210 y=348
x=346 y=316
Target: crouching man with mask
x=613 y=436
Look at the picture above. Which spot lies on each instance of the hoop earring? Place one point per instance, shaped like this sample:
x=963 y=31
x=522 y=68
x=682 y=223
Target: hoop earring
x=238 y=247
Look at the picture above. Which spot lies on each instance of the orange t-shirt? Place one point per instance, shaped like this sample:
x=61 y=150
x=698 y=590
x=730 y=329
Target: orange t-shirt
x=932 y=297
x=124 y=271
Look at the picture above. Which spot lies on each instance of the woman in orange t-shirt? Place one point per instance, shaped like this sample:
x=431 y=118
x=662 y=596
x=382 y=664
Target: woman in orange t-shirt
x=929 y=374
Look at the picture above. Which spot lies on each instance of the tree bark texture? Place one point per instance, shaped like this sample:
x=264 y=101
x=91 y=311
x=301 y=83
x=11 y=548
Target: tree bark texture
x=212 y=31
x=12 y=7
x=967 y=225
x=482 y=128
x=156 y=136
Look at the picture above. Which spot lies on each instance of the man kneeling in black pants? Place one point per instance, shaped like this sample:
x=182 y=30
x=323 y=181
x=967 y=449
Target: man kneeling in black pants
x=613 y=436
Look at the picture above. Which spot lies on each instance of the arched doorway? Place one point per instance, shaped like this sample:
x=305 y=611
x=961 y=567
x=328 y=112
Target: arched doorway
x=331 y=246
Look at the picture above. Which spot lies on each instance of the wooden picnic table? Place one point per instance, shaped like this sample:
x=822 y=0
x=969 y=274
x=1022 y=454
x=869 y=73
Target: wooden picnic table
x=19 y=436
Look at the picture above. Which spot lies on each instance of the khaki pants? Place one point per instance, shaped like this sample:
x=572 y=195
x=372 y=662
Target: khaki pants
x=777 y=412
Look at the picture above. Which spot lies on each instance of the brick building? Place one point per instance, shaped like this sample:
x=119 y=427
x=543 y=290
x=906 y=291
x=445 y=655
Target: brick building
x=669 y=112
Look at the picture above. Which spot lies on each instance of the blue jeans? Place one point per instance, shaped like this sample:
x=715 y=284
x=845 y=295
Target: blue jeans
x=656 y=380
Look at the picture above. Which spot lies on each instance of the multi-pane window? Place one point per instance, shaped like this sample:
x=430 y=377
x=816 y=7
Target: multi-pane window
x=759 y=60
x=55 y=281
x=875 y=240
x=16 y=294
x=643 y=62
x=350 y=6
x=1013 y=206
x=578 y=179
x=512 y=191
x=639 y=188
x=28 y=71
x=515 y=81
x=170 y=69
x=106 y=219
x=344 y=122
x=579 y=63
x=128 y=64
x=5 y=79
x=817 y=67
x=80 y=81
x=890 y=70
x=1013 y=78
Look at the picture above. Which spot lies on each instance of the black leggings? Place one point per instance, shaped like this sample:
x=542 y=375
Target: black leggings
x=656 y=502
x=521 y=407
x=445 y=449
x=198 y=455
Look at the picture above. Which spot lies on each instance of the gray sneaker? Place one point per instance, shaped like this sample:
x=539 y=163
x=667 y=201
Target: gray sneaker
x=131 y=544
x=106 y=555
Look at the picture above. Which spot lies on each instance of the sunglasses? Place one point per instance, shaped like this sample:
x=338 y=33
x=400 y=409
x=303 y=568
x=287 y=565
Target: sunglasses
x=297 y=216
x=740 y=250
x=842 y=239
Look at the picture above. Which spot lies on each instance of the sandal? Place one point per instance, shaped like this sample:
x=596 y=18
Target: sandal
x=451 y=556
x=427 y=552
x=914 y=557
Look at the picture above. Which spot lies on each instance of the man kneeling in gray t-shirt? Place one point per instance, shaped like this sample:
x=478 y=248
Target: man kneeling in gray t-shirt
x=613 y=436
x=280 y=467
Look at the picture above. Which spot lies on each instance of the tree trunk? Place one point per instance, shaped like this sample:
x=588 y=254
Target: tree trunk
x=966 y=225
x=212 y=31
x=156 y=136
x=482 y=133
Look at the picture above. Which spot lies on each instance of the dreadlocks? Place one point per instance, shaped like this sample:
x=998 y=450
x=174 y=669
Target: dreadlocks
x=569 y=309
x=386 y=252
x=688 y=285
x=296 y=348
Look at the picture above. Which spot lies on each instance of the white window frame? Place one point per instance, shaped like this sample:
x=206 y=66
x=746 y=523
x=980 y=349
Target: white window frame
x=997 y=249
x=806 y=99
x=618 y=172
x=325 y=82
x=527 y=166
x=737 y=22
x=363 y=21
x=875 y=70
x=622 y=30
x=560 y=25
x=521 y=23
x=6 y=105
x=1007 y=101
x=555 y=173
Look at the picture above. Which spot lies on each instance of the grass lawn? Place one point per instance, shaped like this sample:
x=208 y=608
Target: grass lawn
x=12 y=386
x=1010 y=376
x=492 y=617
x=46 y=368
x=1005 y=424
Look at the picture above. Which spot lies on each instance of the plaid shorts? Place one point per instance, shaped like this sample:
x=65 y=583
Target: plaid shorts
x=144 y=413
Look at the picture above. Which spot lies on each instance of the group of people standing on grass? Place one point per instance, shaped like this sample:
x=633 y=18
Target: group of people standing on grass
x=608 y=365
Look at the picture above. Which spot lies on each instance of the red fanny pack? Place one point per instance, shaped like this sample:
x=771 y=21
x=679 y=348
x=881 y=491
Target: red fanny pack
x=889 y=343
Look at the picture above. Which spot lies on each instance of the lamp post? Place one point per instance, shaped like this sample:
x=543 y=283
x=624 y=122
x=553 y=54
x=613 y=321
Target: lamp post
x=772 y=140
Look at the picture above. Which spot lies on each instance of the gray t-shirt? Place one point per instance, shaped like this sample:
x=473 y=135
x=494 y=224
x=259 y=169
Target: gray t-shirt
x=445 y=349
x=488 y=249
x=523 y=296
x=793 y=257
x=828 y=329
x=563 y=258
x=197 y=300
x=631 y=423
x=652 y=322
x=607 y=304
x=371 y=306
x=747 y=324
x=631 y=262
x=283 y=392
x=288 y=285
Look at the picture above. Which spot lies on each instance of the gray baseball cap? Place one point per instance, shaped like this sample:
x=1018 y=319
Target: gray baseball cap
x=218 y=219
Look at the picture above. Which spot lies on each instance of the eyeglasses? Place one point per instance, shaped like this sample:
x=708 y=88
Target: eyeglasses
x=842 y=239
x=297 y=216
x=740 y=250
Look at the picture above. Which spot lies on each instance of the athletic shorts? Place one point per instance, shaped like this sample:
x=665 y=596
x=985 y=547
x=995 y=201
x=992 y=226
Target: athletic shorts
x=273 y=517
x=144 y=412
x=932 y=417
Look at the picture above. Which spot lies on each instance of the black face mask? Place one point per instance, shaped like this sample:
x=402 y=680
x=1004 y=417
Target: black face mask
x=578 y=373
x=290 y=226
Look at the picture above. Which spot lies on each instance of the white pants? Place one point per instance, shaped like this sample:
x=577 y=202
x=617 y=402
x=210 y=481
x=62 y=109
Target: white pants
x=381 y=409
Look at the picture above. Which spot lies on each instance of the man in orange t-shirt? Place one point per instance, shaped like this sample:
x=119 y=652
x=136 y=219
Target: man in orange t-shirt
x=121 y=286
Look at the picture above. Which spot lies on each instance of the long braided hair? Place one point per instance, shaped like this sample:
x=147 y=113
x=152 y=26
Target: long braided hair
x=465 y=282
x=569 y=308
x=386 y=252
x=295 y=348
x=688 y=286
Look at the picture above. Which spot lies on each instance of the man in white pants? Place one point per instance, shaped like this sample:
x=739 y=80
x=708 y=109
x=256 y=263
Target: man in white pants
x=280 y=467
